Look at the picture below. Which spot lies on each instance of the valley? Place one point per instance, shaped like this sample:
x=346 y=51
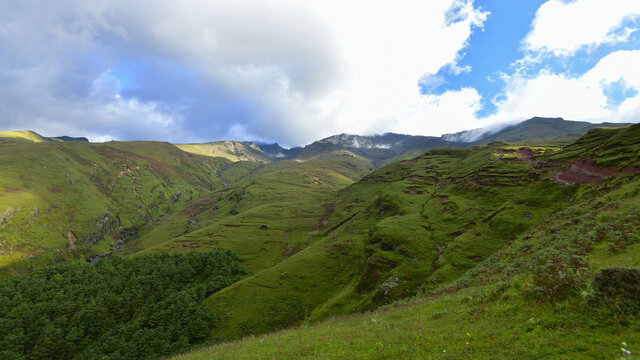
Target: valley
x=351 y=240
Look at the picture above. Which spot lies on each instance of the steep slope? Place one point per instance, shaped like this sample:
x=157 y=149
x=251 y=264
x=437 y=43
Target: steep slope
x=409 y=226
x=61 y=200
x=521 y=276
x=404 y=229
x=497 y=310
x=606 y=147
x=264 y=218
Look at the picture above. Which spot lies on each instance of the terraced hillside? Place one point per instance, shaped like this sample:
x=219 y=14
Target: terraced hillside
x=502 y=250
x=405 y=229
x=64 y=200
x=264 y=218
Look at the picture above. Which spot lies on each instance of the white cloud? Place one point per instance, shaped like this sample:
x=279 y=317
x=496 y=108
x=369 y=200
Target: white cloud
x=563 y=27
x=304 y=69
x=387 y=49
x=576 y=98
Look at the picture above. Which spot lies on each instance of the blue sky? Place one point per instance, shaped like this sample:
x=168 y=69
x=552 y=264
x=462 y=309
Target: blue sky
x=495 y=49
x=490 y=51
x=296 y=71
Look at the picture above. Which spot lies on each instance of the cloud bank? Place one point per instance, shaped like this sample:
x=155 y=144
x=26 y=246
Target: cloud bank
x=293 y=72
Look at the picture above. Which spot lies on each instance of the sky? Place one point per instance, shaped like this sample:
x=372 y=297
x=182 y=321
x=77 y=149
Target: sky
x=296 y=71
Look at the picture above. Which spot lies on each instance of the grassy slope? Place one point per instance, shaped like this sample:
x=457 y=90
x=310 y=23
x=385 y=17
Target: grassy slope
x=25 y=136
x=264 y=218
x=98 y=192
x=404 y=229
x=494 y=309
x=230 y=150
x=607 y=147
x=379 y=239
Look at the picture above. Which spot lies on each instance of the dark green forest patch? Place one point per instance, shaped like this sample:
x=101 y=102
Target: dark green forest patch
x=120 y=308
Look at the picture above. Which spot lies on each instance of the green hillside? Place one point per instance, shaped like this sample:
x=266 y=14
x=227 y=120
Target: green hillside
x=476 y=236
x=265 y=218
x=17 y=137
x=528 y=280
x=405 y=229
x=65 y=200
x=26 y=136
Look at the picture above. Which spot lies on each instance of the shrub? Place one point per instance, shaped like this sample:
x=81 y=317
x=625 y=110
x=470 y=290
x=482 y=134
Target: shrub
x=558 y=276
x=619 y=288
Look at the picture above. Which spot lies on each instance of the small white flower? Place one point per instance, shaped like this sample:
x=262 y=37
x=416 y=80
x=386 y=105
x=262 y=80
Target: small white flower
x=624 y=344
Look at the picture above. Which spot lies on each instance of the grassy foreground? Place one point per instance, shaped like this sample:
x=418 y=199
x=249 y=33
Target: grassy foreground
x=446 y=327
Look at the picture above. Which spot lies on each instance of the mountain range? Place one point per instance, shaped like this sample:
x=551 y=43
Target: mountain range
x=513 y=224
x=388 y=147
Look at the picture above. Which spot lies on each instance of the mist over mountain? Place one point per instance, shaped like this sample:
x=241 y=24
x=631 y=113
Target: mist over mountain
x=536 y=128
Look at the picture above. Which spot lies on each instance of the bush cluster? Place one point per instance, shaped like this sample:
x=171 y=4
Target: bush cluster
x=619 y=288
x=559 y=275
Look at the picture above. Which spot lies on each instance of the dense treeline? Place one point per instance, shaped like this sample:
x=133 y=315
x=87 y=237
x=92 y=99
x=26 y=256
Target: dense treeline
x=119 y=308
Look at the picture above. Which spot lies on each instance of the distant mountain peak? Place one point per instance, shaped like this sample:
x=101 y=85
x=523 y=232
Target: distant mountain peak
x=19 y=136
x=535 y=129
x=70 y=138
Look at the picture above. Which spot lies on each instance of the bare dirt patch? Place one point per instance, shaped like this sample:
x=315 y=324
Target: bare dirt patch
x=585 y=172
x=525 y=154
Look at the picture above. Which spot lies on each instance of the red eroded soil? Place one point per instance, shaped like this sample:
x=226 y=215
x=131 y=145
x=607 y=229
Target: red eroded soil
x=525 y=153
x=585 y=172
